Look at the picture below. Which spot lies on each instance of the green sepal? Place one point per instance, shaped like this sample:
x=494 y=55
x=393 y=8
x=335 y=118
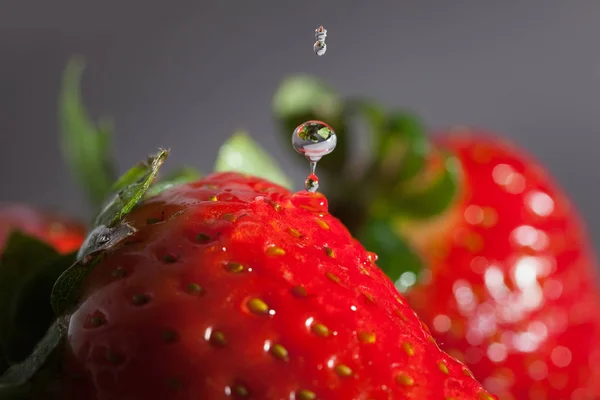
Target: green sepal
x=402 y=147
x=129 y=190
x=109 y=229
x=395 y=257
x=37 y=376
x=86 y=146
x=302 y=98
x=28 y=270
x=177 y=177
x=242 y=154
x=67 y=287
x=412 y=203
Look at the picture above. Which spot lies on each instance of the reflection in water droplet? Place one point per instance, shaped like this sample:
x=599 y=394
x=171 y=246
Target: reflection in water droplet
x=314 y=139
x=312 y=183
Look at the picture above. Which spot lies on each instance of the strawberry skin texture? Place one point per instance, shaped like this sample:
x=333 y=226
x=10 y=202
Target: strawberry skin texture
x=234 y=288
x=510 y=287
x=64 y=234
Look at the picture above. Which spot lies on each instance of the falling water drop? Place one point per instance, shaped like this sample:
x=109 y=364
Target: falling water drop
x=314 y=139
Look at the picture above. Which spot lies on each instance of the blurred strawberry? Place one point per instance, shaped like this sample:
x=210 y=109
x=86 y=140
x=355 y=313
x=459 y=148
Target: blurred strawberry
x=510 y=286
x=62 y=233
x=500 y=264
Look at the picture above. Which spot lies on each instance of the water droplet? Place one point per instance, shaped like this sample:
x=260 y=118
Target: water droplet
x=320 y=48
x=312 y=183
x=313 y=202
x=314 y=139
x=320 y=35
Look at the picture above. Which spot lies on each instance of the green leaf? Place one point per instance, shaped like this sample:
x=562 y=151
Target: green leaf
x=177 y=177
x=241 y=154
x=302 y=98
x=432 y=199
x=130 y=188
x=28 y=270
x=402 y=147
x=304 y=94
x=85 y=145
x=109 y=229
x=33 y=378
x=396 y=258
x=67 y=287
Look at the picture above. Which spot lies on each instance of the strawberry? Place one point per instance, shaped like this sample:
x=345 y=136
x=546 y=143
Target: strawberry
x=511 y=283
x=226 y=287
x=64 y=234
x=487 y=247
x=234 y=287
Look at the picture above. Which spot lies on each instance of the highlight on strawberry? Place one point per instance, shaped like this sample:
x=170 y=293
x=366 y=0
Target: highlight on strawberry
x=498 y=263
x=227 y=286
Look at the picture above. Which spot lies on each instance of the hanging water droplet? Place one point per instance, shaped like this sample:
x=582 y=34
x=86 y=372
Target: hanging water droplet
x=320 y=48
x=320 y=35
x=312 y=182
x=314 y=139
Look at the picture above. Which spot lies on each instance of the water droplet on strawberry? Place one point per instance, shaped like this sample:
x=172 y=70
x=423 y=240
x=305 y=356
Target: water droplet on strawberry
x=314 y=202
x=314 y=139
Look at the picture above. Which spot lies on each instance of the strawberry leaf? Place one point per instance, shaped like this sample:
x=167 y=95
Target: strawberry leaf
x=401 y=147
x=109 y=229
x=396 y=258
x=28 y=269
x=129 y=190
x=241 y=154
x=85 y=145
x=177 y=177
x=415 y=200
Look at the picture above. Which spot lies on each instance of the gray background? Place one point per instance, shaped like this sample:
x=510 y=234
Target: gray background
x=186 y=74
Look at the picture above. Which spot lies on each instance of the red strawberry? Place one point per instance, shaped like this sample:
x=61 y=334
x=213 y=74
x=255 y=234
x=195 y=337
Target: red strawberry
x=233 y=287
x=511 y=288
x=62 y=233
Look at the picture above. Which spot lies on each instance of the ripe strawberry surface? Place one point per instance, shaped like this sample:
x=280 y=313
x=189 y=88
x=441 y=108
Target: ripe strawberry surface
x=511 y=282
x=63 y=234
x=233 y=287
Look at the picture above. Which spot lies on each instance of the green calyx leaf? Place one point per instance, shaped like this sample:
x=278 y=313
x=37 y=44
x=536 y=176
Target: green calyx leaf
x=129 y=190
x=109 y=229
x=303 y=98
x=425 y=201
x=28 y=270
x=177 y=177
x=304 y=94
x=402 y=147
x=86 y=146
x=242 y=154
x=399 y=262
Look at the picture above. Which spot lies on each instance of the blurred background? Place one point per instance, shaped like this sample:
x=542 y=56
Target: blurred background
x=186 y=74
